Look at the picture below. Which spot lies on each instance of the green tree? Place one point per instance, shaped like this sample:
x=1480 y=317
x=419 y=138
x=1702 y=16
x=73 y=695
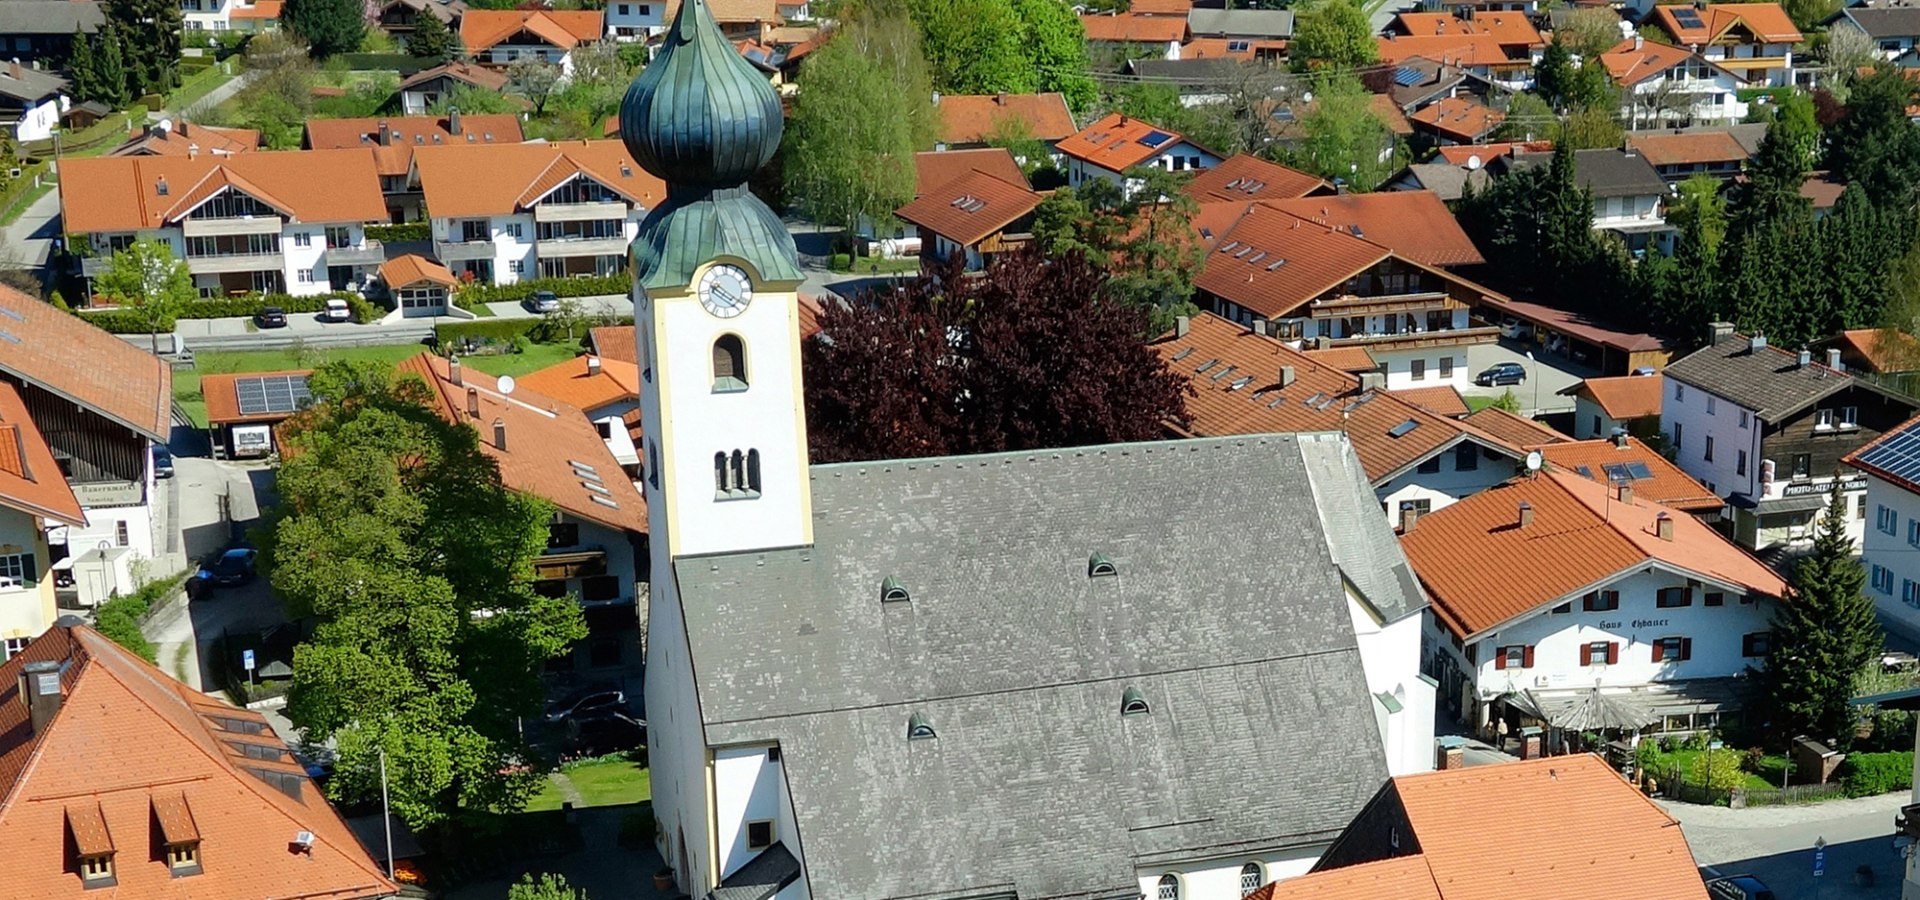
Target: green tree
x=473 y=101
x=1528 y=118
x=1697 y=205
x=1590 y=31
x=553 y=887
x=148 y=32
x=1144 y=241
x=1875 y=145
x=148 y=278
x=1333 y=34
x=110 y=72
x=1507 y=402
x=431 y=39
x=1823 y=634
x=1343 y=138
x=1566 y=227
x=1056 y=44
x=397 y=537
x=1778 y=168
x=534 y=78
x=328 y=26
x=81 y=67
x=1588 y=128
x=975 y=46
x=1553 y=75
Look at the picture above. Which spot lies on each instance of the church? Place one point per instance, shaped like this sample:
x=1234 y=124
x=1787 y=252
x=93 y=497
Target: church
x=1139 y=670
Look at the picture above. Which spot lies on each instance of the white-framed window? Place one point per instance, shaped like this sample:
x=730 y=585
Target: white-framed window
x=1168 y=888
x=1743 y=418
x=759 y=834
x=1250 y=878
x=1882 y=579
x=1910 y=592
x=1822 y=418
x=515 y=229
x=517 y=267
x=1419 y=369
x=1886 y=519
x=13 y=569
x=1849 y=417
x=303 y=239
x=14 y=647
x=304 y=276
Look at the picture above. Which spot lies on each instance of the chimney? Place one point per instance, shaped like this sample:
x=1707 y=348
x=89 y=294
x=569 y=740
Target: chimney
x=1409 y=518
x=1372 y=381
x=1757 y=342
x=1663 y=526
x=500 y=434
x=1620 y=438
x=1719 y=331
x=1526 y=514
x=193 y=151
x=593 y=365
x=1806 y=357
x=1260 y=326
x=453 y=120
x=1833 y=360
x=1323 y=342
x=1181 y=325
x=453 y=370
x=13 y=69
x=1626 y=493
x=40 y=690
x=386 y=135
x=473 y=402
x=1286 y=376
x=1638 y=41
x=1000 y=99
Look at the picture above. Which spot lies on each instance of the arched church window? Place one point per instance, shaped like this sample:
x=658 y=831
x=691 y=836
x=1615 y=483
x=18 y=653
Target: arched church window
x=720 y=473
x=753 y=471
x=729 y=364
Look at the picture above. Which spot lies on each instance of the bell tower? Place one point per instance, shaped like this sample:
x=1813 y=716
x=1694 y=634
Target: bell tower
x=715 y=281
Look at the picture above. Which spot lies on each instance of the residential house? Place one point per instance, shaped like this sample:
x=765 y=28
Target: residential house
x=1514 y=31
x=1249 y=383
x=503 y=212
x=1625 y=460
x=428 y=88
x=400 y=17
x=1359 y=269
x=393 y=141
x=1200 y=79
x=933 y=169
x=1645 y=603
x=1259 y=35
x=31 y=101
x=1890 y=549
x=1109 y=147
x=417 y=286
x=244 y=408
x=39 y=33
x=1242 y=178
x=975 y=120
x=976 y=215
x=1458 y=120
x=1679 y=155
x=266 y=222
x=746 y=20
x=1445 y=181
x=1664 y=85
x=169 y=137
x=1752 y=40
x=1629 y=196
x=1770 y=430
x=206 y=15
x=1875 y=351
x=1477 y=52
x=1822 y=191
x=496 y=37
x=33 y=491
x=119 y=778
x=1418 y=83
x=608 y=391
x=101 y=404
x=1414 y=841
x=631 y=21
x=1512 y=429
x=257 y=17
x=597 y=549
x=1603 y=407
x=1130 y=35
x=1893 y=28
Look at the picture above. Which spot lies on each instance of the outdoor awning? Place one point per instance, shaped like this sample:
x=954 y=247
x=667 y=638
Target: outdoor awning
x=1639 y=228
x=1592 y=710
x=1802 y=503
x=762 y=876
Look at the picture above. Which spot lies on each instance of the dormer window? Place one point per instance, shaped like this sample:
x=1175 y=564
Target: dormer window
x=1133 y=703
x=184 y=858
x=919 y=729
x=1099 y=566
x=96 y=870
x=92 y=845
x=892 y=591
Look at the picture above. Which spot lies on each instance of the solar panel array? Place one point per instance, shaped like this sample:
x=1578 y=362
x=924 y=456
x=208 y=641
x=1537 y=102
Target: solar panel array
x=1406 y=76
x=1627 y=471
x=271 y=394
x=1687 y=18
x=1897 y=455
x=1155 y=138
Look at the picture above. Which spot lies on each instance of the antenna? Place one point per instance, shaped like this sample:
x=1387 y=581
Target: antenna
x=506 y=384
x=1534 y=460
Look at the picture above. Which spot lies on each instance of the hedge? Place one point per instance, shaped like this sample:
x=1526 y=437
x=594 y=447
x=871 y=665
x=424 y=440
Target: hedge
x=377 y=62
x=1872 y=774
x=561 y=287
x=409 y=231
x=128 y=320
x=486 y=330
x=118 y=619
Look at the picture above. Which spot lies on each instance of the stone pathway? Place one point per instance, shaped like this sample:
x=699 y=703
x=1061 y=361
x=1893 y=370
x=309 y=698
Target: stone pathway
x=568 y=792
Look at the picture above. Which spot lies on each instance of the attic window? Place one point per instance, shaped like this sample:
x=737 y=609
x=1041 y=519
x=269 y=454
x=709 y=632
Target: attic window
x=1240 y=382
x=287 y=782
x=1099 y=566
x=1133 y=703
x=919 y=729
x=892 y=591
x=1222 y=373
x=1206 y=365
x=1183 y=354
x=96 y=870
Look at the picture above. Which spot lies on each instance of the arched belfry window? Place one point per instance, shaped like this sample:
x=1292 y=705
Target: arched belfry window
x=729 y=364
x=736 y=475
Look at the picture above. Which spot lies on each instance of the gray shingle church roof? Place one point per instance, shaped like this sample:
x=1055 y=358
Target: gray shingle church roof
x=1227 y=614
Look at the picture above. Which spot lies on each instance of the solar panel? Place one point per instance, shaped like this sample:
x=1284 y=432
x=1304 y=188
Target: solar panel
x=1687 y=18
x=1407 y=76
x=1638 y=471
x=1155 y=138
x=1585 y=472
x=1403 y=429
x=1897 y=455
x=271 y=394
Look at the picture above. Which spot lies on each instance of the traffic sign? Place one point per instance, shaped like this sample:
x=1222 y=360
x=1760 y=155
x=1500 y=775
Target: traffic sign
x=1819 y=861
x=246 y=660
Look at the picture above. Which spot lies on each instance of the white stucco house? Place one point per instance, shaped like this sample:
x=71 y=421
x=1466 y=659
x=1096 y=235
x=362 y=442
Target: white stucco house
x=1890 y=544
x=1109 y=147
x=1663 y=85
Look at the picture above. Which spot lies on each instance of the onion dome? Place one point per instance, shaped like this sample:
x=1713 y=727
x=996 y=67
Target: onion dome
x=700 y=115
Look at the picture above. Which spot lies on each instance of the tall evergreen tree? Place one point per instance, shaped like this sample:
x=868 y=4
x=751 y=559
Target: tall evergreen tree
x=431 y=39
x=1823 y=636
x=1875 y=145
x=328 y=26
x=1775 y=174
x=110 y=70
x=80 y=67
x=149 y=32
x=1566 y=229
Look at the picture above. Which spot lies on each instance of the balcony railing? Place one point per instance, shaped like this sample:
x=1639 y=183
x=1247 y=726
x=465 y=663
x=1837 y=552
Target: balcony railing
x=235 y=262
x=369 y=253
x=551 y=247
x=574 y=212
x=449 y=251
x=216 y=227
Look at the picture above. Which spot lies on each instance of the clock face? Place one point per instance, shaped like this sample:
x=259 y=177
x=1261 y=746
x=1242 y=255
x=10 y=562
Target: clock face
x=725 y=291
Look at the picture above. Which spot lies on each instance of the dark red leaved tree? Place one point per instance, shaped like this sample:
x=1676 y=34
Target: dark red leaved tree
x=1027 y=355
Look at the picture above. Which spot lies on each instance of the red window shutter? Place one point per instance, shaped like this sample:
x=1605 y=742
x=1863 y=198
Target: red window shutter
x=1613 y=652
x=1499 y=657
x=1586 y=654
x=1686 y=648
x=1526 y=657
x=1656 y=651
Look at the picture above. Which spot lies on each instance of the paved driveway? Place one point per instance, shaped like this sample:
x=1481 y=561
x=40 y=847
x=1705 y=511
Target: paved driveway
x=1776 y=844
x=1547 y=375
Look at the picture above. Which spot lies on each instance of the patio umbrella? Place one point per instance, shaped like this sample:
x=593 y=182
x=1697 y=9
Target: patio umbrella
x=1594 y=711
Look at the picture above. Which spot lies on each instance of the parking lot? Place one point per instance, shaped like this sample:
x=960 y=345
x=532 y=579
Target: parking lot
x=1547 y=375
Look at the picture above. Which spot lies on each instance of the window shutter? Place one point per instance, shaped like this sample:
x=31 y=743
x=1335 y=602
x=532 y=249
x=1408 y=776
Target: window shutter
x=28 y=573
x=1613 y=652
x=1586 y=654
x=1499 y=657
x=1656 y=650
x=1526 y=657
x=1686 y=649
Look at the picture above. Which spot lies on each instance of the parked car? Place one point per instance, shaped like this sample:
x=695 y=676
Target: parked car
x=271 y=317
x=1517 y=330
x=337 y=311
x=1644 y=371
x=604 y=734
x=587 y=702
x=544 y=302
x=1739 y=887
x=1501 y=373
x=162 y=461
x=235 y=567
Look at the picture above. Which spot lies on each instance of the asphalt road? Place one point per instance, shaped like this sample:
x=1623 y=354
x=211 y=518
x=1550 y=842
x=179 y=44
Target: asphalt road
x=1776 y=845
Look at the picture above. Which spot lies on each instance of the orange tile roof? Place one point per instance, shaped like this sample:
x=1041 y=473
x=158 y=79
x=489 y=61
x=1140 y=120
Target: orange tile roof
x=412 y=268
x=1244 y=177
x=933 y=168
x=187 y=137
x=1766 y=23
x=1415 y=225
x=1509 y=27
x=498 y=179
x=1440 y=400
x=261 y=9
x=1312 y=260
x=136 y=193
x=1462 y=119
x=976 y=118
x=574 y=382
x=476 y=75
x=1635 y=60
x=483 y=28
x=1881 y=350
x=1669 y=486
x=1625 y=396
x=544 y=438
x=30 y=478
x=1260 y=406
x=734 y=11
x=128 y=746
x=1132 y=28
x=1664 y=149
x=1460 y=156
x=1223 y=48
x=1390 y=114
x=971 y=208
x=217 y=389
x=1581 y=535
x=1399 y=878
x=1113 y=143
x=1350 y=358
x=65 y=356
x=1426 y=24
x=1465 y=50
x=1160 y=7
x=1519 y=431
x=394 y=156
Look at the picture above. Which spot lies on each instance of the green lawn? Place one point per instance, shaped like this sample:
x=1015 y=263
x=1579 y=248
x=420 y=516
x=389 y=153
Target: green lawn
x=605 y=783
x=1476 y=404
x=197 y=88
x=1686 y=760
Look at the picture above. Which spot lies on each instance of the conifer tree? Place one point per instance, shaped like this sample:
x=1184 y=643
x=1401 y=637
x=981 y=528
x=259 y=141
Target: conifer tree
x=431 y=39
x=80 y=67
x=1566 y=227
x=1823 y=636
x=110 y=70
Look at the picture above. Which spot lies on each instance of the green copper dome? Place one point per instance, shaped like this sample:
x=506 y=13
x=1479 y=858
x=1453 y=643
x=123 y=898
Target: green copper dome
x=703 y=119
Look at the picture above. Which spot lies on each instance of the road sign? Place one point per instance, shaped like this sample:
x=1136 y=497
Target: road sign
x=246 y=662
x=1819 y=861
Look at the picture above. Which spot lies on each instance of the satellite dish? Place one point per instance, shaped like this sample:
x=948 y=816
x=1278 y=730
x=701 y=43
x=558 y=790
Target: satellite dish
x=1473 y=162
x=1534 y=460
x=506 y=384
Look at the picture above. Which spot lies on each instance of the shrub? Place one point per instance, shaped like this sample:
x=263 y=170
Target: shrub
x=130 y=321
x=1724 y=773
x=363 y=309
x=483 y=331
x=1869 y=774
x=119 y=619
x=561 y=287
x=124 y=321
x=406 y=231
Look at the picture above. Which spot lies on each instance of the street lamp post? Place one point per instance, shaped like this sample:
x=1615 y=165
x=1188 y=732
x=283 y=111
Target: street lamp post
x=1534 y=376
x=386 y=814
